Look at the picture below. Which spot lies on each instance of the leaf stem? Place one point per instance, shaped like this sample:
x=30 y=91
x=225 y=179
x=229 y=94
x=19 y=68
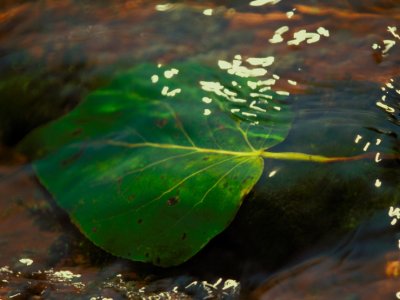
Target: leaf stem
x=314 y=158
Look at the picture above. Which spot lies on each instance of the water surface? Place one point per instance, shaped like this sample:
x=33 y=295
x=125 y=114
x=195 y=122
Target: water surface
x=309 y=231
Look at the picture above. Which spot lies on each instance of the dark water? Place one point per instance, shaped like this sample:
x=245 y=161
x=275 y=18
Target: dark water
x=307 y=231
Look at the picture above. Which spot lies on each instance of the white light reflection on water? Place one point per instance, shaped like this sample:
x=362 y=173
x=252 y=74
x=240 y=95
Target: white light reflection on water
x=164 y=7
x=264 y=2
x=388 y=90
x=208 y=12
x=290 y=14
x=387 y=44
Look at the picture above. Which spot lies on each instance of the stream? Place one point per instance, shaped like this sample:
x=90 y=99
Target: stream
x=306 y=230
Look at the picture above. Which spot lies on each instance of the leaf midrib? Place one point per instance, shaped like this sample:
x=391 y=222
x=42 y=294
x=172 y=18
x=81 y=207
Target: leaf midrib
x=180 y=147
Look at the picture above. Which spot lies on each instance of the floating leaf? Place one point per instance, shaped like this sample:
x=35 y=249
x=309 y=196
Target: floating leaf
x=155 y=165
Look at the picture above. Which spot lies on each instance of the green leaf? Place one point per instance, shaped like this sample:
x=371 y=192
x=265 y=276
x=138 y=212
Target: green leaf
x=154 y=177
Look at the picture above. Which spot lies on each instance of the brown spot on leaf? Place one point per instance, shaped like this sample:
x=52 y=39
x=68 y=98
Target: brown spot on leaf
x=172 y=201
x=72 y=158
x=119 y=183
x=77 y=132
x=161 y=123
x=247 y=179
x=184 y=236
x=140 y=221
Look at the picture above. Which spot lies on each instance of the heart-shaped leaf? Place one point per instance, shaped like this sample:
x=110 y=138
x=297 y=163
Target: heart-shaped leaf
x=155 y=165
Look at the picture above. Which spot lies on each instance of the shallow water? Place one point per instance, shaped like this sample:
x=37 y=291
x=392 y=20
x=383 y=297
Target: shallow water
x=307 y=231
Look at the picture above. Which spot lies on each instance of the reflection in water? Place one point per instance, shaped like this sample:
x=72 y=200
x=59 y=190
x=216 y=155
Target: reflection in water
x=337 y=61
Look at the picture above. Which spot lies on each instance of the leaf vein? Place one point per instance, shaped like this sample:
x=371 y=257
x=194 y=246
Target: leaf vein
x=207 y=192
x=158 y=162
x=179 y=123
